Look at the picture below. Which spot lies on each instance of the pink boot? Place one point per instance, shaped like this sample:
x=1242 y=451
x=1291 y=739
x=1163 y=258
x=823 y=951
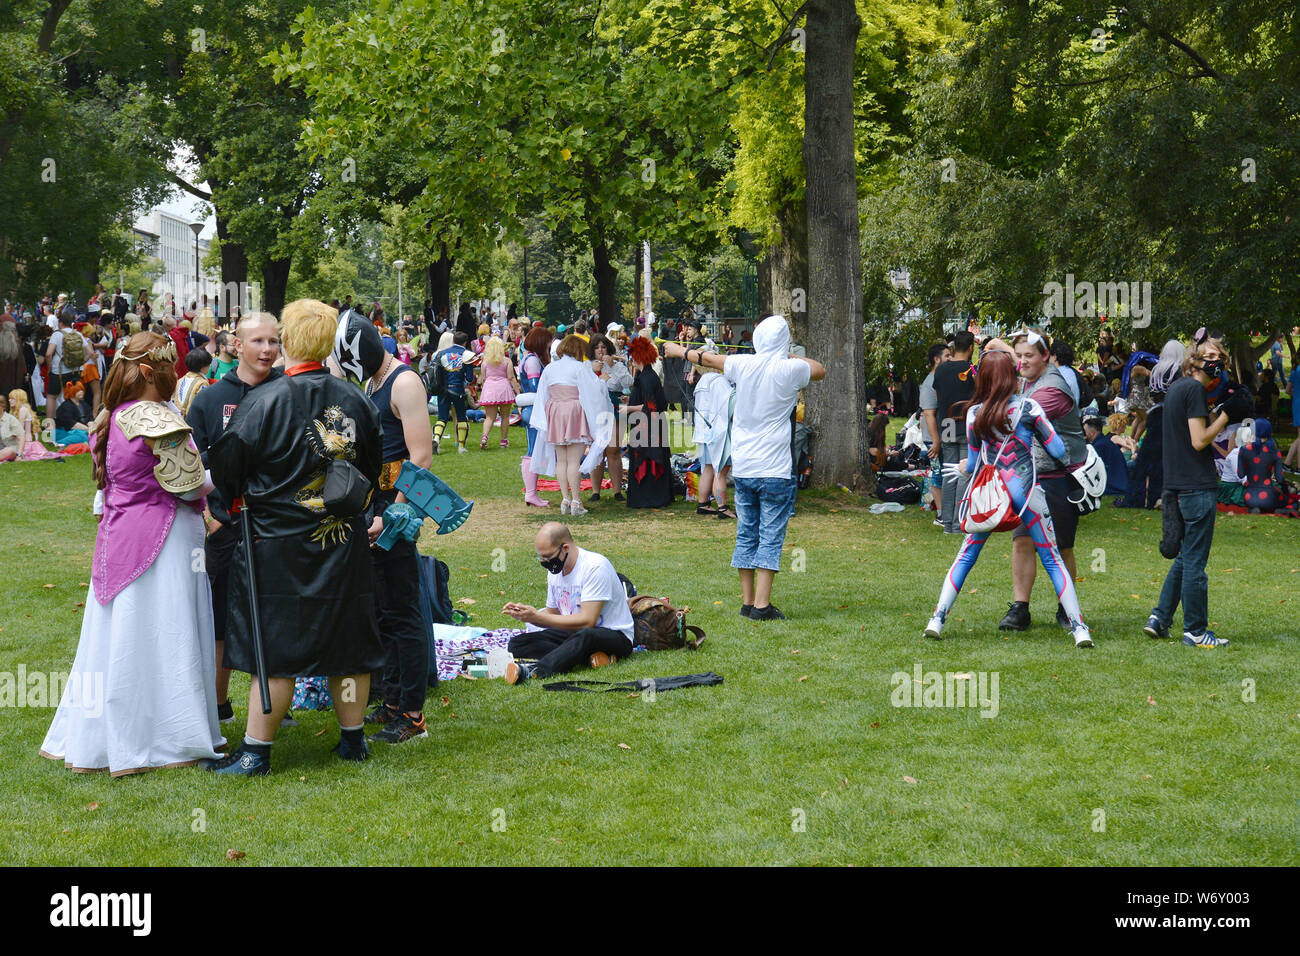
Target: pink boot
x=530 y=486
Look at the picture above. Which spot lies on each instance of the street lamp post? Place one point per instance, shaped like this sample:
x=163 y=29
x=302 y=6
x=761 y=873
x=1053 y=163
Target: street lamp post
x=399 y=265
x=196 y=227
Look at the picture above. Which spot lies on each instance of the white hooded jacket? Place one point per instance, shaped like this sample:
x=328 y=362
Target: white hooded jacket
x=767 y=388
x=594 y=398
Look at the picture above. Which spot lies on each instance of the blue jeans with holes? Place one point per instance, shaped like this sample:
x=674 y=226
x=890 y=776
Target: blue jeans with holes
x=1187 y=580
x=763 y=509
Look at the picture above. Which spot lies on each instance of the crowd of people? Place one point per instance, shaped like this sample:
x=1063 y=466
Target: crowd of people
x=275 y=446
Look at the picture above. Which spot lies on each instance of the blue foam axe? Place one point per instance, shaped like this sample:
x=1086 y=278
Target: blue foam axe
x=427 y=496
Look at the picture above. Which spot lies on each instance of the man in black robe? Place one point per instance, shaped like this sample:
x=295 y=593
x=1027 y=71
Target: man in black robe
x=313 y=570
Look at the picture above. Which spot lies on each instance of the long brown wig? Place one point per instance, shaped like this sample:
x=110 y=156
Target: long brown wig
x=125 y=382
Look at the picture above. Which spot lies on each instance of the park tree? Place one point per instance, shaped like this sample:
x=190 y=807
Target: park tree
x=1152 y=143
x=515 y=108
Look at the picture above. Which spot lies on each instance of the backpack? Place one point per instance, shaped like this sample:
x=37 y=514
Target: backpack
x=74 y=350
x=904 y=491
x=435 y=377
x=658 y=626
x=987 y=505
x=435 y=604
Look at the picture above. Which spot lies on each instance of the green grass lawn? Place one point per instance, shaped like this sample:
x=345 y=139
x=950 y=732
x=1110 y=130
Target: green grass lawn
x=1136 y=752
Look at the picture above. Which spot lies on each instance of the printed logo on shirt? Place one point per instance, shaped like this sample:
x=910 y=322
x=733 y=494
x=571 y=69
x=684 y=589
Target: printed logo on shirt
x=226 y=412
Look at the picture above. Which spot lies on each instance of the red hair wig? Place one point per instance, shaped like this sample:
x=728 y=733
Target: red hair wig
x=642 y=351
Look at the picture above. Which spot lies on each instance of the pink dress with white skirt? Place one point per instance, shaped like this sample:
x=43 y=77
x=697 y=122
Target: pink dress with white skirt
x=566 y=423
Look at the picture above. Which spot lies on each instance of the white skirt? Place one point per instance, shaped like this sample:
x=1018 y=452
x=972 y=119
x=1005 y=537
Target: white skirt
x=142 y=691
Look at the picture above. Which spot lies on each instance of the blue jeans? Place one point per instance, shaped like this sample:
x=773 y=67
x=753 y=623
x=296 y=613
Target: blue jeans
x=763 y=509
x=1187 y=580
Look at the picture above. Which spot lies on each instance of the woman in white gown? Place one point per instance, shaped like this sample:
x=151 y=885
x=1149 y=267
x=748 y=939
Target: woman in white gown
x=142 y=690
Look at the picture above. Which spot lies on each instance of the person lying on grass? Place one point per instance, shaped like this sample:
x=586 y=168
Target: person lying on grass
x=586 y=619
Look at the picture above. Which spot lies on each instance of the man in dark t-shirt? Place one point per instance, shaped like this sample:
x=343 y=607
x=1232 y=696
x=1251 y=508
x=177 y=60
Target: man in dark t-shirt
x=1191 y=493
x=954 y=383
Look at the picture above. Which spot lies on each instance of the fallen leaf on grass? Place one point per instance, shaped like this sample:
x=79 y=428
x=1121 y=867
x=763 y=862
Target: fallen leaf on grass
x=1146 y=776
x=962 y=676
x=907 y=779
x=47 y=585
x=875 y=725
x=1151 y=700
x=717 y=602
x=468 y=601
x=446 y=701
x=556 y=840
x=235 y=854
x=83 y=584
x=92 y=806
x=1136 y=597
x=804 y=678
x=796 y=651
x=321 y=732
x=624 y=747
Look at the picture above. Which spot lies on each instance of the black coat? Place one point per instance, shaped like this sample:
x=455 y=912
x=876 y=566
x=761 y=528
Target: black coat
x=314 y=575
x=649 y=480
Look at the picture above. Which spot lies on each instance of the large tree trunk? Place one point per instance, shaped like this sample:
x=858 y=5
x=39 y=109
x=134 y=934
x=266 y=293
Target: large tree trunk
x=837 y=406
x=605 y=273
x=437 y=281
x=275 y=282
x=234 y=270
x=787 y=261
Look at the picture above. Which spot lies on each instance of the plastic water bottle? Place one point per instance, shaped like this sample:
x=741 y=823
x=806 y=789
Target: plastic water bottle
x=497 y=660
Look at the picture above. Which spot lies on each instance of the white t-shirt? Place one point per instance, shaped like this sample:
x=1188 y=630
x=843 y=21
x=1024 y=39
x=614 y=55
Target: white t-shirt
x=767 y=389
x=593 y=578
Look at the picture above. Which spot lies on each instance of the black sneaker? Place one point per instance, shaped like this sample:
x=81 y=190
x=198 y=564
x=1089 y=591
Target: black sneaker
x=746 y=610
x=1155 y=630
x=401 y=729
x=595 y=497
x=241 y=763
x=1062 y=619
x=1017 y=618
x=353 y=752
x=769 y=613
x=618 y=496
x=381 y=713
x=225 y=712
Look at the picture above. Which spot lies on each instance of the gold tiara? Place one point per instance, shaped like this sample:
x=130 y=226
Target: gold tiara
x=167 y=352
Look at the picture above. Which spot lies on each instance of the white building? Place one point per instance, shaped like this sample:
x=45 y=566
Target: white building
x=169 y=237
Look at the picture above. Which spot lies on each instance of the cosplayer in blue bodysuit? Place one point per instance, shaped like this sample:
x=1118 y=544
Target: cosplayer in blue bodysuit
x=1016 y=466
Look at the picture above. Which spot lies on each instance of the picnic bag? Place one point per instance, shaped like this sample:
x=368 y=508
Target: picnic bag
x=658 y=626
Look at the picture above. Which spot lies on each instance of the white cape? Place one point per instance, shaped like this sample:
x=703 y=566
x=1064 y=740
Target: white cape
x=595 y=405
x=714 y=396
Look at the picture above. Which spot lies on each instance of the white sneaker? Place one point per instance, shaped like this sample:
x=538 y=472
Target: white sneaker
x=935 y=628
x=462 y=450
x=576 y=509
x=1082 y=636
x=564 y=506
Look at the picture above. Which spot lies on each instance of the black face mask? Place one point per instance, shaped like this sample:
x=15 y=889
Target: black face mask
x=553 y=565
x=1214 y=370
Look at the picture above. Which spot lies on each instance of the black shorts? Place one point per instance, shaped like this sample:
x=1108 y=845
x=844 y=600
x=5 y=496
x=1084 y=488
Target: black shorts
x=1065 y=517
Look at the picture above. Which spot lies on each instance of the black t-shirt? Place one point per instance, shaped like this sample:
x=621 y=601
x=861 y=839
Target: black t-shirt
x=1186 y=469
x=67 y=416
x=954 y=382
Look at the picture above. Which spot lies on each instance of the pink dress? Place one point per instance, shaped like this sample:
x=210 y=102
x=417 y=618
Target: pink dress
x=32 y=449
x=566 y=423
x=496 y=385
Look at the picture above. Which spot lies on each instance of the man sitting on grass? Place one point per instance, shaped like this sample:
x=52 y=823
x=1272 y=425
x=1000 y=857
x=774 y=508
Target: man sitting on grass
x=586 y=619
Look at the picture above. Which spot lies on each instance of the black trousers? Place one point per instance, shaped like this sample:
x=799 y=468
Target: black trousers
x=218 y=549
x=405 y=676
x=558 y=651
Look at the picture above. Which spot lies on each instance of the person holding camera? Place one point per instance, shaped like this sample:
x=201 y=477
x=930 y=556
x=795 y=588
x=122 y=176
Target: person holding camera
x=1191 y=489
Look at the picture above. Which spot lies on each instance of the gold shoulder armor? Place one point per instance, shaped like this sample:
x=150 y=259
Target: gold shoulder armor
x=150 y=419
x=179 y=469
